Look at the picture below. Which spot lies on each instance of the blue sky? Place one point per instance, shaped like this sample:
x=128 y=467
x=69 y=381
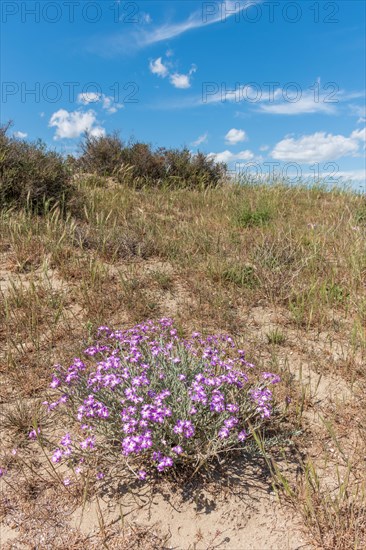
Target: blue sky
x=264 y=86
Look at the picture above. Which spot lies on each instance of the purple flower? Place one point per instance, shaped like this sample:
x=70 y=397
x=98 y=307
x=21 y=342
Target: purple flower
x=140 y=380
x=156 y=455
x=177 y=450
x=93 y=350
x=55 y=382
x=165 y=462
x=107 y=331
x=66 y=440
x=142 y=475
x=88 y=443
x=184 y=427
x=217 y=401
x=223 y=433
x=197 y=393
x=262 y=397
x=231 y=422
x=56 y=457
x=273 y=378
x=33 y=433
x=232 y=408
x=136 y=443
x=242 y=435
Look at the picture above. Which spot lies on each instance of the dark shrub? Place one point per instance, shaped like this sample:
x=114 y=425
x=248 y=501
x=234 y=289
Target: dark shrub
x=30 y=174
x=148 y=166
x=138 y=164
x=187 y=170
x=101 y=155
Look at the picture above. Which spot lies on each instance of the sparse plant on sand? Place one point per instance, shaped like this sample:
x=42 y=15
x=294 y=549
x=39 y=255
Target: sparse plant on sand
x=158 y=401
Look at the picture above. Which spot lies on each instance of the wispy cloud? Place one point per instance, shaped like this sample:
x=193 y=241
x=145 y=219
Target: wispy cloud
x=200 y=140
x=209 y=14
x=358 y=110
x=298 y=101
x=306 y=104
x=275 y=102
x=272 y=101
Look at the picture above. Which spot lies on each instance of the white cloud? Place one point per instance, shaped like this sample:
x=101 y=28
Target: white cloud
x=96 y=131
x=318 y=147
x=178 y=80
x=264 y=147
x=109 y=105
x=182 y=81
x=20 y=135
x=200 y=140
x=107 y=102
x=235 y=136
x=74 y=124
x=228 y=156
x=157 y=67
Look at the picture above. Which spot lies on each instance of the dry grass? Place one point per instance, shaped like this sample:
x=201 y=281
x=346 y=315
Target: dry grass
x=282 y=269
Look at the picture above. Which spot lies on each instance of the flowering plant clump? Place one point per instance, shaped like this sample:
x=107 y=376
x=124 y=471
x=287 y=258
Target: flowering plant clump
x=157 y=401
